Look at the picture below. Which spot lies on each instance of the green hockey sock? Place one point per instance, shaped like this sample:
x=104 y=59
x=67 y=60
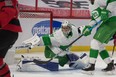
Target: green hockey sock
x=93 y=53
x=104 y=54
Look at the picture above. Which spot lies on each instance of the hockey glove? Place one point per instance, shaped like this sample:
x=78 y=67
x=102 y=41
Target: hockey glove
x=104 y=15
x=64 y=48
x=86 y=31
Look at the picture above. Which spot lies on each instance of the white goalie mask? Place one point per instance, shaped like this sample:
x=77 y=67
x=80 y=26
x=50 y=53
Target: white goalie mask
x=66 y=27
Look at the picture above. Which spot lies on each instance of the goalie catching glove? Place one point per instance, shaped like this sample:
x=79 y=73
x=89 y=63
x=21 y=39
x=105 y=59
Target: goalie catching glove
x=33 y=41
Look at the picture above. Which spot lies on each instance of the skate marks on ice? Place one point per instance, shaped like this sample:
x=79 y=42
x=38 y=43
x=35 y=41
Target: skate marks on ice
x=65 y=71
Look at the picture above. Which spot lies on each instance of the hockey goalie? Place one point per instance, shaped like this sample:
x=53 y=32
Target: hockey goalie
x=57 y=46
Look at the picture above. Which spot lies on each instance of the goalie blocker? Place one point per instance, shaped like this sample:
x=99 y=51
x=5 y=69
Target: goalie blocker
x=75 y=62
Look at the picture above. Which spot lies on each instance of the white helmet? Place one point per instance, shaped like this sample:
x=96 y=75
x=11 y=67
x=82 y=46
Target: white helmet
x=66 y=23
x=66 y=27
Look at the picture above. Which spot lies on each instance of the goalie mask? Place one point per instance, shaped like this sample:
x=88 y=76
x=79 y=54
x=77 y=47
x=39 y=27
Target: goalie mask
x=66 y=27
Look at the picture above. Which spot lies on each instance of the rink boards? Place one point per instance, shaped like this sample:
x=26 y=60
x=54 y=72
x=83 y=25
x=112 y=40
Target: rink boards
x=73 y=49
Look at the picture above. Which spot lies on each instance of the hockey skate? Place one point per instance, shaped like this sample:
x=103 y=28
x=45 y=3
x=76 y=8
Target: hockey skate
x=110 y=68
x=89 y=69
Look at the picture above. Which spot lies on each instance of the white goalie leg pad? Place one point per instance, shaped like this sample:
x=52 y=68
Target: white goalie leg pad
x=27 y=65
x=85 y=58
x=81 y=63
x=33 y=41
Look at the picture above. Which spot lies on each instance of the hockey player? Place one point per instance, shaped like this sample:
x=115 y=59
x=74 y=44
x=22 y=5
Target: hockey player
x=56 y=45
x=9 y=28
x=104 y=11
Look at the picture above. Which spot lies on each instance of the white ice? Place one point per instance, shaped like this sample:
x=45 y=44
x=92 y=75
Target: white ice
x=64 y=71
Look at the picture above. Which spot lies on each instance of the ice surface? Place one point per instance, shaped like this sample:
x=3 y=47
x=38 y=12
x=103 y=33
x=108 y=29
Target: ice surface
x=64 y=71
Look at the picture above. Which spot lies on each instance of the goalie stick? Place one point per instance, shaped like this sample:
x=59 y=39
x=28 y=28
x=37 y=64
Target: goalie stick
x=44 y=62
x=34 y=60
x=21 y=47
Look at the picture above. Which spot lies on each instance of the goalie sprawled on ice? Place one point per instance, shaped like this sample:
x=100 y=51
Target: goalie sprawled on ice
x=57 y=47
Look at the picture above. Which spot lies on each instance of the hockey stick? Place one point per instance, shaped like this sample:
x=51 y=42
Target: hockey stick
x=34 y=61
x=113 y=51
x=21 y=47
x=44 y=62
x=82 y=34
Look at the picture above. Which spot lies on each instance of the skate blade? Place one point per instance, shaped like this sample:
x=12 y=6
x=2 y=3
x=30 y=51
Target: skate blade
x=88 y=72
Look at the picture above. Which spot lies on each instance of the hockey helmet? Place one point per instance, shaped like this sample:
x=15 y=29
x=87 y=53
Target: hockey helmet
x=66 y=27
x=66 y=23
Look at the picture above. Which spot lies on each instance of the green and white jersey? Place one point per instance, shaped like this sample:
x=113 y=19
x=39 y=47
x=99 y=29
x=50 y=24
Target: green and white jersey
x=62 y=39
x=95 y=9
x=58 y=38
x=110 y=5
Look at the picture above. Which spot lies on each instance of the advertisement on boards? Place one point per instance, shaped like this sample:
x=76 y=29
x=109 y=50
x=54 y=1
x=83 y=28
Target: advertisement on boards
x=43 y=27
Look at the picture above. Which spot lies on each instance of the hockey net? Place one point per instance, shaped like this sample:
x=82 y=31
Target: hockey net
x=28 y=19
x=37 y=15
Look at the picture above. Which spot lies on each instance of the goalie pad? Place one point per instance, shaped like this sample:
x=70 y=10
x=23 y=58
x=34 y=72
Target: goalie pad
x=33 y=41
x=27 y=65
x=78 y=62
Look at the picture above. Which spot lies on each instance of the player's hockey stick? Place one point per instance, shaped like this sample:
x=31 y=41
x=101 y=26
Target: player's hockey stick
x=44 y=62
x=113 y=51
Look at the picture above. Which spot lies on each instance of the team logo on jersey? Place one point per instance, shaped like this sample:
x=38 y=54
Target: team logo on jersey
x=43 y=27
x=95 y=14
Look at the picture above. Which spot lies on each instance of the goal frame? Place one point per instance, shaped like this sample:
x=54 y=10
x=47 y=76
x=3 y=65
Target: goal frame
x=37 y=11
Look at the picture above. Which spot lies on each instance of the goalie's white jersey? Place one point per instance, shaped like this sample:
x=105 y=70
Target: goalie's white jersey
x=62 y=39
